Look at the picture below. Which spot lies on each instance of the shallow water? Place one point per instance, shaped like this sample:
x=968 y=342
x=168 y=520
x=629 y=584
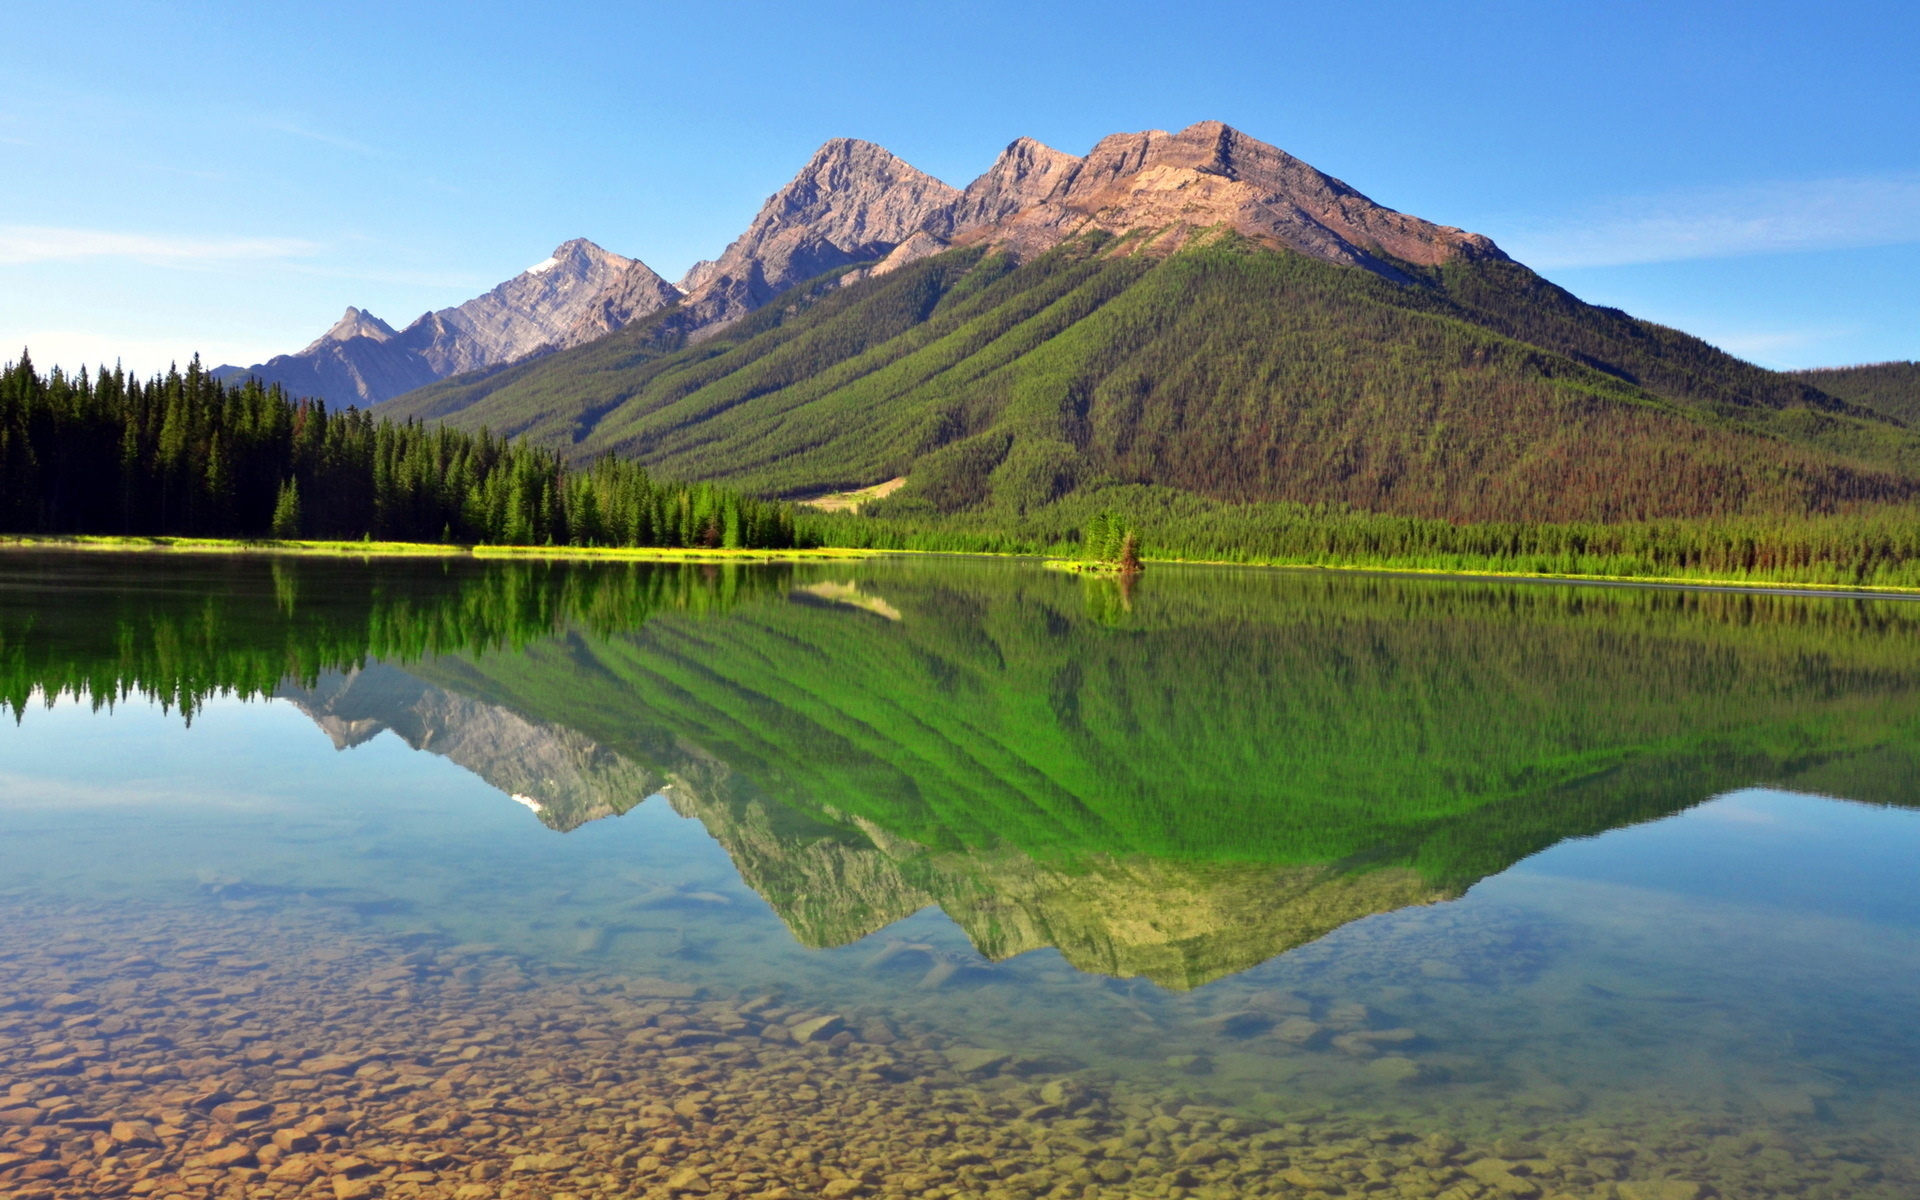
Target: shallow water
x=946 y=878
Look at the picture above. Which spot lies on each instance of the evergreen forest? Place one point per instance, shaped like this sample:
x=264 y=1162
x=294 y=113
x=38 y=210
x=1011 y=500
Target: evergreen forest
x=1889 y=388
x=183 y=454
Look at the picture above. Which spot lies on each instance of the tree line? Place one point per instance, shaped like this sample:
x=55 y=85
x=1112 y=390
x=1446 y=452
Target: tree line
x=1878 y=548
x=184 y=454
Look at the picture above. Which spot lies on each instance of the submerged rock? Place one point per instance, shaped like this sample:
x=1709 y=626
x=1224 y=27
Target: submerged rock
x=496 y=1079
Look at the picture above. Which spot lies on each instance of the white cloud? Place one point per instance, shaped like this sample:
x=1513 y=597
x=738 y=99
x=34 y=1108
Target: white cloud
x=299 y=131
x=47 y=243
x=1823 y=214
x=1765 y=346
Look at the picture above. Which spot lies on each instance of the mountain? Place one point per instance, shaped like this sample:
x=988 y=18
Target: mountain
x=1208 y=176
x=853 y=202
x=578 y=293
x=356 y=361
x=1174 y=318
x=1891 y=389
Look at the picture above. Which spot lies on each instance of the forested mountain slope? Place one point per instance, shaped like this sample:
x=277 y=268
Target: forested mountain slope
x=1203 y=313
x=1889 y=388
x=1225 y=369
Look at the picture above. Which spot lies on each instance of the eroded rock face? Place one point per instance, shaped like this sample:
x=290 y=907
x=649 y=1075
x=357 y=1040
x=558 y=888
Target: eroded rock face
x=1025 y=174
x=853 y=202
x=636 y=294
x=1165 y=188
x=536 y=309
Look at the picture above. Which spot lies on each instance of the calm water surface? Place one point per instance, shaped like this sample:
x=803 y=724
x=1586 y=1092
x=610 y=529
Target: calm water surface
x=949 y=879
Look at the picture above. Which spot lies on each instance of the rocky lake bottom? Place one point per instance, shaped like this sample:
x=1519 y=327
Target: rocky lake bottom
x=226 y=1048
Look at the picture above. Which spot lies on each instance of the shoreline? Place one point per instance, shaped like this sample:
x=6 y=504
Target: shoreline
x=1867 y=591
x=102 y=543
x=98 y=543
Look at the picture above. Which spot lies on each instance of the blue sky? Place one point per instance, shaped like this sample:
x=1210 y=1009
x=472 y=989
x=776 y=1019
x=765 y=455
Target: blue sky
x=228 y=177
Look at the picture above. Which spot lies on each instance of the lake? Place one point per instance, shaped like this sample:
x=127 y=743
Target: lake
x=948 y=877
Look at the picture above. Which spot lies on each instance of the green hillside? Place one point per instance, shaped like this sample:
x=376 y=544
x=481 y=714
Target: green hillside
x=1227 y=371
x=1889 y=388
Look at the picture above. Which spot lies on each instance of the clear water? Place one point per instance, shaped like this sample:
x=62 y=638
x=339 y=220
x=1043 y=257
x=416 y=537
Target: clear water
x=1238 y=883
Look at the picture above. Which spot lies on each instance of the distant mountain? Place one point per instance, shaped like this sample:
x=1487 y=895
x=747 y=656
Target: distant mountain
x=562 y=301
x=1198 y=314
x=1889 y=388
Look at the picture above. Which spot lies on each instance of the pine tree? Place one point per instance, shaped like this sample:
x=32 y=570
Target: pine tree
x=286 y=511
x=1094 y=539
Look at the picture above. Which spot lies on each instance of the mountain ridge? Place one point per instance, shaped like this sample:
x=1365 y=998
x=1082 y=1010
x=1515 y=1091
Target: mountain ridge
x=854 y=203
x=1196 y=312
x=1889 y=388
x=566 y=299
x=1221 y=369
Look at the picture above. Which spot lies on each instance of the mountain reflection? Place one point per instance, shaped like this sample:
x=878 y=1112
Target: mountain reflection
x=1177 y=783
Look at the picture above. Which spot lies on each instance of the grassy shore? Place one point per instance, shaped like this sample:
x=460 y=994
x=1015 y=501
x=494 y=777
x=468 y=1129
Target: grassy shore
x=1474 y=572
x=1109 y=571
x=369 y=549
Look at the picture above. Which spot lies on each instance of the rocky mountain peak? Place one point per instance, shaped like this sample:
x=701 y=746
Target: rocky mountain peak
x=1026 y=173
x=579 y=292
x=638 y=292
x=853 y=191
x=853 y=201
x=1210 y=175
x=352 y=324
x=535 y=310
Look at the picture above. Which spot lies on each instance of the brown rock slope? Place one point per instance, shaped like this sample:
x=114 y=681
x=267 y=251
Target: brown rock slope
x=852 y=202
x=1170 y=186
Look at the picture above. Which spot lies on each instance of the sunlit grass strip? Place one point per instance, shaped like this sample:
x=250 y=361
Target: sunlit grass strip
x=671 y=553
x=370 y=549
x=1469 y=571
